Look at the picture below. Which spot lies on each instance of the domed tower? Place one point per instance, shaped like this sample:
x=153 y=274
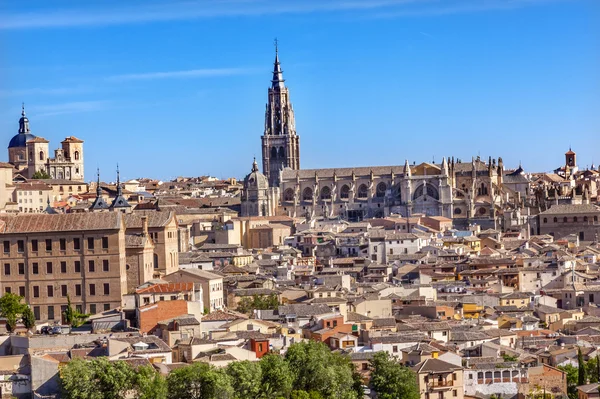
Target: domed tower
x=255 y=194
x=17 y=147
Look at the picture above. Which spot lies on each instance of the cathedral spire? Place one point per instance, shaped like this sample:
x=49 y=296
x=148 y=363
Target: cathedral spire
x=277 y=81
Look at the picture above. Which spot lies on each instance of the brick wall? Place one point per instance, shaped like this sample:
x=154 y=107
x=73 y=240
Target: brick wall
x=150 y=315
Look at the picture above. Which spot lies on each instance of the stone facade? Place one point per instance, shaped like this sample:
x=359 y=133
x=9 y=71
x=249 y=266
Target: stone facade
x=562 y=220
x=30 y=154
x=47 y=257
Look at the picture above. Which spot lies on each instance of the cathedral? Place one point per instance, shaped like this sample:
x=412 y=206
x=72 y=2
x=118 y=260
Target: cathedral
x=463 y=191
x=30 y=154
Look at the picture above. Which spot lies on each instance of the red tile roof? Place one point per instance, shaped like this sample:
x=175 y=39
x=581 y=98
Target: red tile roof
x=164 y=288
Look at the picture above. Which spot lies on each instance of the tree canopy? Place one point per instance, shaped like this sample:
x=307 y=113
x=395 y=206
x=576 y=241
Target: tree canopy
x=40 y=174
x=13 y=309
x=309 y=370
x=392 y=380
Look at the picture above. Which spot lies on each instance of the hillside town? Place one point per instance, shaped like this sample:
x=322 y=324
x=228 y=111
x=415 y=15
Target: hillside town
x=480 y=279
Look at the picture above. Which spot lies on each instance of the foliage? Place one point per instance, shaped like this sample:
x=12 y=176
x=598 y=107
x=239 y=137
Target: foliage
x=199 y=381
x=593 y=369
x=28 y=318
x=72 y=316
x=315 y=368
x=581 y=372
x=392 y=380
x=572 y=376
x=12 y=308
x=276 y=376
x=103 y=379
x=40 y=174
x=259 y=302
x=509 y=358
x=246 y=378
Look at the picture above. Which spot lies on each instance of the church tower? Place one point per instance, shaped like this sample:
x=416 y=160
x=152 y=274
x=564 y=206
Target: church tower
x=280 y=143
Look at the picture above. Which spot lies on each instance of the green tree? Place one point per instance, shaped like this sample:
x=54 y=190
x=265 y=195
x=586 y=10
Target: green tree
x=103 y=379
x=581 y=372
x=12 y=308
x=298 y=394
x=72 y=316
x=392 y=380
x=40 y=174
x=78 y=381
x=28 y=317
x=261 y=302
x=315 y=368
x=149 y=384
x=246 y=378
x=276 y=376
x=572 y=376
x=199 y=381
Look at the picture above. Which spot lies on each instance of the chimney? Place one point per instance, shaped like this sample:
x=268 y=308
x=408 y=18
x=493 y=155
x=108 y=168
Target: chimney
x=145 y=225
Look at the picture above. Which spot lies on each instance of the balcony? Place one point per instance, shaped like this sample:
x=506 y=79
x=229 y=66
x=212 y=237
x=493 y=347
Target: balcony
x=437 y=384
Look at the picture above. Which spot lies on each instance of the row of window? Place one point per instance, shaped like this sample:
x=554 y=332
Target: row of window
x=575 y=219
x=52 y=316
x=63 y=290
x=27 y=193
x=35 y=267
x=62 y=244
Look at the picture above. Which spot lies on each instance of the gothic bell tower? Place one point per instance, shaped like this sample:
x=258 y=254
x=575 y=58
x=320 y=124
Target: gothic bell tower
x=280 y=143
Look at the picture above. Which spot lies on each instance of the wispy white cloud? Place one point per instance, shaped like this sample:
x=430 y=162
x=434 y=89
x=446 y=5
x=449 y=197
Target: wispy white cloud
x=69 y=108
x=42 y=91
x=147 y=12
x=190 y=73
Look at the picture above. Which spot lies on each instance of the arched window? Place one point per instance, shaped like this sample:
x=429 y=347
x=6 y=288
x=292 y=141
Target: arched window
x=482 y=189
x=77 y=155
x=585 y=218
x=325 y=193
x=345 y=192
x=41 y=155
x=363 y=191
x=555 y=220
x=575 y=219
x=565 y=219
x=545 y=220
x=307 y=194
x=288 y=195
x=155 y=261
x=380 y=190
x=281 y=152
x=274 y=153
x=431 y=192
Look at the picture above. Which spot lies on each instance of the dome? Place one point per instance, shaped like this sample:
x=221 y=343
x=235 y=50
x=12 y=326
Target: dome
x=19 y=140
x=255 y=179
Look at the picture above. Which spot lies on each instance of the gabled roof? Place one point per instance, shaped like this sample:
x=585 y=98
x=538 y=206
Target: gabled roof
x=435 y=366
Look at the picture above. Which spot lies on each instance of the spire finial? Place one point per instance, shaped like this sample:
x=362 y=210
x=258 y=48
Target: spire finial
x=22 y=109
x=98 y=189
x=277 y=81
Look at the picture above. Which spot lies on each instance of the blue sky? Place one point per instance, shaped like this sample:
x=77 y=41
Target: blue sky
x=169 y=88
